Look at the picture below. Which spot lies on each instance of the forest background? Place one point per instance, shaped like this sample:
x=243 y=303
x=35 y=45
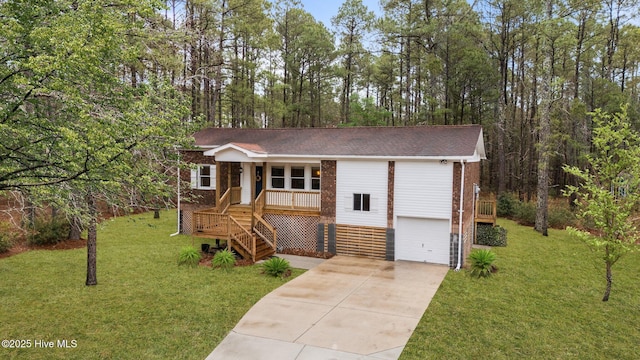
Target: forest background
x=529 y=71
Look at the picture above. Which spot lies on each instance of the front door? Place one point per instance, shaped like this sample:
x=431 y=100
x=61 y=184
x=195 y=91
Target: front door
x=258 y=180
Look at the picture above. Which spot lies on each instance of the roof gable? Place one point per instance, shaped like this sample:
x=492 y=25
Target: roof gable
x=463 y=141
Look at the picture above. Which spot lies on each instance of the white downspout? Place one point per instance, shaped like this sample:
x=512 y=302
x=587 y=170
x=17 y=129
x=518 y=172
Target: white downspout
x=178 y=232
x=460 y=211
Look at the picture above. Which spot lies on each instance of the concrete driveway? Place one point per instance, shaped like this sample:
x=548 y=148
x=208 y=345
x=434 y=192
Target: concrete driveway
x=345 y=308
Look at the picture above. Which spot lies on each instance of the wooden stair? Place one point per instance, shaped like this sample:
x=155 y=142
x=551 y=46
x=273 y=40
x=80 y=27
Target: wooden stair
x=242 y=214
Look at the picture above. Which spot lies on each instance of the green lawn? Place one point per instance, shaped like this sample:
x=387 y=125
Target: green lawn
x=144 y=306
x=544 y=303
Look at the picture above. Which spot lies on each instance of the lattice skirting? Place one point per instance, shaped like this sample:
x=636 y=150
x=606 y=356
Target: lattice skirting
x=294 y=232
x=186 y=222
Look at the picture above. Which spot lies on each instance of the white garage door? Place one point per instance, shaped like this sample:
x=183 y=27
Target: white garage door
x=424 y=240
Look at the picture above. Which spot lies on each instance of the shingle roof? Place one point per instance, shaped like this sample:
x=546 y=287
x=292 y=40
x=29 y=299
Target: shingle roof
x=449 y=141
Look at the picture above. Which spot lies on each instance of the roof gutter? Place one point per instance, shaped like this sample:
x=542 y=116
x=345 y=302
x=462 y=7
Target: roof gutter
x=460 y=212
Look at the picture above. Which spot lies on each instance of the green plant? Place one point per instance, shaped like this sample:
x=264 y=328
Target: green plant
x=491 y=235
x=8 y=236
x=506 y=205
x=189 y=256
x=482 y=262
x=525 y=213
x=224 y=259
x=276 y=267
x=560 y=218
x=49 y=231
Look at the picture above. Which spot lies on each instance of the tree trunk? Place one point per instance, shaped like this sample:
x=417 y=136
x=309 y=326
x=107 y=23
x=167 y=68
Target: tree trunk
x=76 y=229
x=607 y=291
x=91 y=242
x=545 y=133
x=156 y=213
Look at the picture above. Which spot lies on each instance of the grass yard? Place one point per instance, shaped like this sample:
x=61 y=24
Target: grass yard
x=544 y=303
x=144 y=306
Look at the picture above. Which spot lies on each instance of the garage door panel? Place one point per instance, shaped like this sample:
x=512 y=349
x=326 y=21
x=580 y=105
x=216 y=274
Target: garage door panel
x=424 y=240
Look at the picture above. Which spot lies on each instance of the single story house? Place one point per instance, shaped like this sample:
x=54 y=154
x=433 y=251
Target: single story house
x=395 y=193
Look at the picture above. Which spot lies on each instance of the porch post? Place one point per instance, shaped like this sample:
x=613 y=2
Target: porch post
x=253 y=193
x=218 y=184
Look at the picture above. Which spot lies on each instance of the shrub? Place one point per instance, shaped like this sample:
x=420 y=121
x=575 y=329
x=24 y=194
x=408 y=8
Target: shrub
x=224 y=259
x=560 y=218
x=49 y=231
x=189 y=256
x=506 y=205
x=482 y=262
x=525 y=213
x=276 y=267
x=491 y=235
x=8 y=235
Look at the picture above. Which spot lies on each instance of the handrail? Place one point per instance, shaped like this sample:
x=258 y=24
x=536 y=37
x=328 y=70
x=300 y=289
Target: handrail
x=236 y=195
x=259 y=204
x=212 y=223
x=224 y=202
x=242 y=237
x=267 y=232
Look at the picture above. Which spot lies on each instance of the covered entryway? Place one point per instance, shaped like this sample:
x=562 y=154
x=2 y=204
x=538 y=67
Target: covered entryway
x=423 y=240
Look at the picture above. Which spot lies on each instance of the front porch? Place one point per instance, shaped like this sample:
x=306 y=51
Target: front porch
x=244 y=227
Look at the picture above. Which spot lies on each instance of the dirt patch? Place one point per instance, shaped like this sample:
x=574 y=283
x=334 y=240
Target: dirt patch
x=22 y=246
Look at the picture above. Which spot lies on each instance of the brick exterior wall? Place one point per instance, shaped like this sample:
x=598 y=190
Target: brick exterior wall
x=472 y=175
x=390 y=193
x=328 y=192
x=193 y=199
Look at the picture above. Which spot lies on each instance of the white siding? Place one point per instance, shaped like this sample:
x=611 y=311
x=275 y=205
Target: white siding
x=362 y=177
x=423 y=189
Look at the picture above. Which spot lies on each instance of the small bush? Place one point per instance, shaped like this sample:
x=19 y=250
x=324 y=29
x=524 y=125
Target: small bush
x=482 y=263
x=560 y=218
x=49 y=231
x=491 y=235
x=277 y=267
x=506 y=205
x=525 y=213
x=8 y=236
x=224 y=259
x=189 y=256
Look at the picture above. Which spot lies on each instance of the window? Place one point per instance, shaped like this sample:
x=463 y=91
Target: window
x=361 y=202
x=277 y=177
x=203 y=177
x=315 y=178
x=297 y=178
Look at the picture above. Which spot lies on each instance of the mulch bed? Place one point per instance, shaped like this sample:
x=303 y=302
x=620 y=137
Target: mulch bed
x=307 y=253
x=22 y=246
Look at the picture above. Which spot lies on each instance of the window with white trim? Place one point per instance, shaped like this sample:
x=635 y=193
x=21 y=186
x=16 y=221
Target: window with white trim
x=203 y=177
x=277 y=177
x=297 y=177
x=315 y=178
x=361 y=202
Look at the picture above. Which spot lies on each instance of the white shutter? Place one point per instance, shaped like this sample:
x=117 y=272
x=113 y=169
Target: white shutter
x=194 y=178
x=348 y=203
x=373 y=205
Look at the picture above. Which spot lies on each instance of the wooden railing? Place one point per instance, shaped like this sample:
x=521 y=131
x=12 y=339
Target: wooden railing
x=242 y=237
x=265 y=231
x=225 y=202
x=486 y=211
x=213 y=224
x=293 y=199
x=260 y=203
x=236 y=195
